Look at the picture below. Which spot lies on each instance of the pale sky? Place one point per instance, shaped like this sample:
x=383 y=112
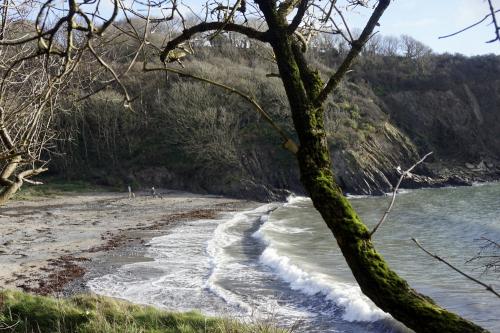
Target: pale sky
x=426 y=20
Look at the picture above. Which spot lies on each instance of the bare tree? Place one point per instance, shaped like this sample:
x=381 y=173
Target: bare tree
x=413 y=49
x=390 y=46
x=26 y=92
x=374 y=45
x=285 y=28
x=25 y=96
x=38 y=60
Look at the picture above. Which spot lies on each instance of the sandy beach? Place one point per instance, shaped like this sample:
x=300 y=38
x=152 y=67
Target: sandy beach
x=48 y=245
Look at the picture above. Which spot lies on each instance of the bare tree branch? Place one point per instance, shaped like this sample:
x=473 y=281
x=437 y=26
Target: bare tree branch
x=210 y=26
x=301 y=11
x=488 y=256
x=487 y=287
x=395 y=192
x=357 y=45
x=492 y=14
x=495 y=23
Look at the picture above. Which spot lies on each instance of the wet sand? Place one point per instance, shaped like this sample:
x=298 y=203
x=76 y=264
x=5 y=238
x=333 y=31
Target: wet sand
x=52 y=245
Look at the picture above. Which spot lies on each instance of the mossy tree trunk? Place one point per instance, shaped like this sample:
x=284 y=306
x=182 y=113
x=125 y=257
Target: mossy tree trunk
x=382 y=285
x=306 y=94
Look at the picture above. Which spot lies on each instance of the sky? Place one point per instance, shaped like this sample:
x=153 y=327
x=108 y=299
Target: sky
x=426 y=20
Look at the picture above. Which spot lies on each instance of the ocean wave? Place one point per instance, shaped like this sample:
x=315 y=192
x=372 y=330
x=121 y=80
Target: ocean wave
x=357 y=307
x=400 y=191
x=176 y=272
x=358 y=196
x=221 y=239
x=293 y=200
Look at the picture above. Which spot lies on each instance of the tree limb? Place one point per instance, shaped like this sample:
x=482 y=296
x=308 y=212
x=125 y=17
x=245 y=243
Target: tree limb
x=228 y=18
x=210 y=26
x=470 y=26
x=488 y=287
x=301 y=11
x=495 y=23
x=394 y=193
x=287 y=6
x=356 y=48
x=10 y=190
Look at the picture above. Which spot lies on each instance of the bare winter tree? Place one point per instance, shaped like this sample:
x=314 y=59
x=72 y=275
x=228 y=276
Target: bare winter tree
x=23 y=124
x=412 y=48
x=39 y=60
x=284 y=28
x=25 y=93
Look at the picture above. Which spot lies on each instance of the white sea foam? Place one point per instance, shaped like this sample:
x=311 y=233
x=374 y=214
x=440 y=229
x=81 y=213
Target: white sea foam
x=366 y=196
x=348 y=296
x=357 y=196
x=400 y=191
x=222 y=238
x=194 y=257
x=357 y=307
x=176 y=276
x=293 y=200
x=215 y=250
x=188 y=269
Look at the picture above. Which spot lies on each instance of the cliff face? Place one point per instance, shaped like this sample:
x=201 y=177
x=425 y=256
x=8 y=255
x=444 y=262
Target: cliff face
x=370 y=166
x=366 y=147
x=187 y=135
x=452 y=108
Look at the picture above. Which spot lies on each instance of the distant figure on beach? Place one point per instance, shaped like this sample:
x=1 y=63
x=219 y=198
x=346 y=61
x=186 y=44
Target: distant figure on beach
x=154 y=194
x=131 y=195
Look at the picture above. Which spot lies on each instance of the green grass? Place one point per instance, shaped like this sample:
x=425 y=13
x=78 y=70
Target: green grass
x=22 y=312
x=53 y=188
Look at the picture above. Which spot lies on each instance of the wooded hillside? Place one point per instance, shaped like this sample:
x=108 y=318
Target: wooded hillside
x=185 y=134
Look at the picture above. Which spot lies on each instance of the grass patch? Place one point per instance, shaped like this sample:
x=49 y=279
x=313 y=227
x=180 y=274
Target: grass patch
x=22 y=312
x=54 y=188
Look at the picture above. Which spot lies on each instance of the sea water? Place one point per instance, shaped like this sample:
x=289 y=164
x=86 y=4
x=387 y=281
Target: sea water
x=280 y=261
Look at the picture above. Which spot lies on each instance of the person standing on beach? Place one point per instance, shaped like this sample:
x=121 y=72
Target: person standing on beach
x=131 y=195
x=154 y=194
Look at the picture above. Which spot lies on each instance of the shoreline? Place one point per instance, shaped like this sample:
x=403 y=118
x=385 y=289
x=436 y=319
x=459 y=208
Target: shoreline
x=52 y=246
x=115 y=230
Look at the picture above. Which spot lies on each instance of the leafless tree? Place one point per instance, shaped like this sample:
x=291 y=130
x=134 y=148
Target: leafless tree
x=38 y=60
x=26 y=91
x=412 y=48
x=390 y=45
x=374 y=45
